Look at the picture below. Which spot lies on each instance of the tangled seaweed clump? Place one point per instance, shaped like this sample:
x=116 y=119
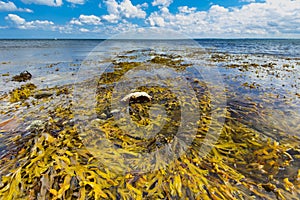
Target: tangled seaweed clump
x=22 y=77
x=22 y=93
x=52 y=160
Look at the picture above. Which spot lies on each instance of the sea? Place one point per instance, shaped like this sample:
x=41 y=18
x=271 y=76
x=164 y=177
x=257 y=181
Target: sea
x=42 y=57
x=250 y=68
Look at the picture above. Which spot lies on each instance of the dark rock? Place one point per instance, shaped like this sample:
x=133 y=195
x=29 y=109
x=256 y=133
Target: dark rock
x=43 y=94
x=22 y=77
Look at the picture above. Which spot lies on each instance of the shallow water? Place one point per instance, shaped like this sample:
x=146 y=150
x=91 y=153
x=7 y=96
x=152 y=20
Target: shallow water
x=260 y=79
x=265 y=71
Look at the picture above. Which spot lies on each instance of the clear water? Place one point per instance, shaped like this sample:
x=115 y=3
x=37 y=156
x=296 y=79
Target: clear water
x=57 y=62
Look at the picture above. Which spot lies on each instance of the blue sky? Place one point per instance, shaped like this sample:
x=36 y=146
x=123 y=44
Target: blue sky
x=104 y=18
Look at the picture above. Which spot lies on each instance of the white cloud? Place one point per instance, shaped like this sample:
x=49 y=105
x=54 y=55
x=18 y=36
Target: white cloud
x=102 y=29
x=53 y=2
x=247 y=1
x=86 y=19
x=144 y=5
x=81 y=2
x=44 y=2
x=123 y=9
x=75 y=21
x=112 y=18
x=69 y=29
x=163 y=3
x=270 y=18
x=156 y=20
x=21 y=23
x=10 y=6
x=185 y=9
x=15 y=18
x=84 y=30
x=130 y=11
x=112 y=6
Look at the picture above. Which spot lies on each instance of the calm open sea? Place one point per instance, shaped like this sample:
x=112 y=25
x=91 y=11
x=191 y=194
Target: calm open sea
x=35 y=55
x=66 y=50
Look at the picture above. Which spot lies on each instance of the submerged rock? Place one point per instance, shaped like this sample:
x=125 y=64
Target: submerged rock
x=43 y=94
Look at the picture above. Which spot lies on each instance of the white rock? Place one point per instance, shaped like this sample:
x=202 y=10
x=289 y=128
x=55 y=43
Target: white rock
x=136 y=95
x=103 y=116
x=114 y=111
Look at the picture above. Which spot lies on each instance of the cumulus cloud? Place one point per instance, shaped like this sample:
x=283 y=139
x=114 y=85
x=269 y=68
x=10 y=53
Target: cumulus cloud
x=86 y=19
x=185 y=9
x=123 y=9
x=162 y=3
x=21 y=23
x=156 y=19
x=272 y=17
x=251 y=19
x=103 y=29
x=112 y=18
x=15 y=18
x=81 y=2
x=10 y=6
x=247 y=1
x=84 y=30
x=53 y=2
x=44 y=2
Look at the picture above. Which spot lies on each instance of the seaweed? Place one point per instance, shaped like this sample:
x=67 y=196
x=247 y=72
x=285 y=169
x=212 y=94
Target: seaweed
x=51 y=158
x=22 y=77
x=22 y=93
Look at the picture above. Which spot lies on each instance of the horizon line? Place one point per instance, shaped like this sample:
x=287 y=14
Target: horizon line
x=203 y=38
